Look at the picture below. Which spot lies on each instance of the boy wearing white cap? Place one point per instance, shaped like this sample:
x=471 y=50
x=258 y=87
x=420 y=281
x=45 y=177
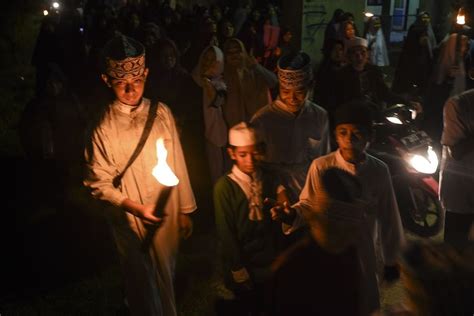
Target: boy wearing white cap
x=245 y=229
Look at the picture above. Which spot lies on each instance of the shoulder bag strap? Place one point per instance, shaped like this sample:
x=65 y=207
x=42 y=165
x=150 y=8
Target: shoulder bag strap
x=146 y=131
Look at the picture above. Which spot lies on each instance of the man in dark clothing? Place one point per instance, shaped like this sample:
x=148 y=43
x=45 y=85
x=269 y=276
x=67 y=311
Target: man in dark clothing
x=361 y=80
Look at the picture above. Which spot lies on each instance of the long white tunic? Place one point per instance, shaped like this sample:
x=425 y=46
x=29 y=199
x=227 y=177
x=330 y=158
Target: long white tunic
x=148 y=278
x=383 y=220
x=292 y=141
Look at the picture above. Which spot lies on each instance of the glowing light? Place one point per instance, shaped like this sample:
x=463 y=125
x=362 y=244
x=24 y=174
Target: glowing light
x=368 y=14
x=394 y=120
x=56 y=5
x=461 y=17
x=45 y=12
x=425 y=165
x=162 y=172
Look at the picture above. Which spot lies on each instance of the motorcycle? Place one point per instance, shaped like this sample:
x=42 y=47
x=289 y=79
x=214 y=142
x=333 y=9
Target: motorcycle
x=413 y=164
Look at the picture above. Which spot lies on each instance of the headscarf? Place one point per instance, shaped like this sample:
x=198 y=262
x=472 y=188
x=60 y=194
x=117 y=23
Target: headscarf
x=248 y=90
x=215 y=126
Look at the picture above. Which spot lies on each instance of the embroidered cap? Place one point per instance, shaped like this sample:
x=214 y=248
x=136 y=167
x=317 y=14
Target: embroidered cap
x=294 y=71
x=242 y=135
x=124 y=58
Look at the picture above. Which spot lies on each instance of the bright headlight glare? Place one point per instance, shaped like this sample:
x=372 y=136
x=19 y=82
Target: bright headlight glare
x=394 y=120
x=425 y=165
x=55 y=5
x=45 y=12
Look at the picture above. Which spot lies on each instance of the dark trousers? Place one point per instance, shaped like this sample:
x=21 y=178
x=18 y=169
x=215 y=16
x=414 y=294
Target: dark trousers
x=457 y=228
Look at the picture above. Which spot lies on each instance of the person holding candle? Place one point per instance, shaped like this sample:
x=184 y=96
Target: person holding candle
x=148 y=275
x=247 y=235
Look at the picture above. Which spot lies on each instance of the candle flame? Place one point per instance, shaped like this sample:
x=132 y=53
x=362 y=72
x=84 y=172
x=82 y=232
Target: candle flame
x=162 y=172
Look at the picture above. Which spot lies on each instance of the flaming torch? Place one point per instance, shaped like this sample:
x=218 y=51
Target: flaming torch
x=165 y=176
x=461 y=17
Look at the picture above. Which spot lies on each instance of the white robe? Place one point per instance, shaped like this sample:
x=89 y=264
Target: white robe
x=148 y=277
x=292 y=141
x=383 y=220
x=378 y=49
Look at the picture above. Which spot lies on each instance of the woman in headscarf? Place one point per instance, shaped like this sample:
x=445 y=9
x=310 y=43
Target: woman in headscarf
x=226 y=31
x=416 y=59
x=377 y=47
x=333 y=25
x=248 y=83
x=208 y=75
x=325 y=79
x=170 y=83
x=346 y=33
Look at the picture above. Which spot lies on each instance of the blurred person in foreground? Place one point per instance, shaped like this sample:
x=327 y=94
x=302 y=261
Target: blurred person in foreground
x=438 y=280
x=319 y=275
x=353 y=132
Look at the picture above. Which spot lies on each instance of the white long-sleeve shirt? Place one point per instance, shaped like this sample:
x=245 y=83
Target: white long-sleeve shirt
x=112 y=143
x=383 y=220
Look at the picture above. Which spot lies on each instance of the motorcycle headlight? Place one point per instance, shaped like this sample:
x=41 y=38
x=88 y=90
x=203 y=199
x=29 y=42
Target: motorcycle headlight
x=427 y=165
x=394 y=120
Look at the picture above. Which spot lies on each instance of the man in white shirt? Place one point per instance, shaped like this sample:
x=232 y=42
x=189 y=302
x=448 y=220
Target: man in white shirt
x=293 y=129
x=457 y=169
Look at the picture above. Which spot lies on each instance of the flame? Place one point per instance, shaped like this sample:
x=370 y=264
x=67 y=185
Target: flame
x=162 y=172
x=461 y=18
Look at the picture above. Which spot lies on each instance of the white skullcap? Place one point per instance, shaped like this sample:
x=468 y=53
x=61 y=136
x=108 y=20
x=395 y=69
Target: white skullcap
x=357 y=41
x=242 y=135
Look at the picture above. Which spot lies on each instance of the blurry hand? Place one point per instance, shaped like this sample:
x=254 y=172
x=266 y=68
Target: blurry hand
x=281 y=212
x=185 y=226
x=147 y=214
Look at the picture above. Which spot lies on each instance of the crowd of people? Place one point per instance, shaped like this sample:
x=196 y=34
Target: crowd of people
x=302 y=210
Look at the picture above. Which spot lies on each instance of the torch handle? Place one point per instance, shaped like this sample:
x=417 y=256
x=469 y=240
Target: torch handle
x=159 y=212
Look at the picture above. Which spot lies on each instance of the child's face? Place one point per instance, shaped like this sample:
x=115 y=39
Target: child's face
x=245 y=158
x=128 y=91
x=352 y=140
